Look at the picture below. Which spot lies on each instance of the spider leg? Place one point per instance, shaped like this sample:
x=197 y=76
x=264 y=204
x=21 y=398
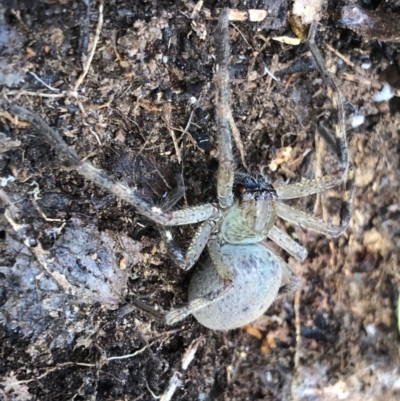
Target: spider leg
x=306 y=220
x=345 y=174
x=287 y=243
x=196 y=246
x=223 y=269
x=291 y=280
x=309 y=187
x=197 y=243
x=337 y=142
x=174 y=196
x=226 y=163
x=189 y=215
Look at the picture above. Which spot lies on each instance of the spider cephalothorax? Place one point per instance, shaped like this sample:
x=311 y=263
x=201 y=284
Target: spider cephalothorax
x=241 y=276
x=253 y=186
x=249 y=219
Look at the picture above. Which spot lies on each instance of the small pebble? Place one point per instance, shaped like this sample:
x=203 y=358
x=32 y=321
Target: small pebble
x=366 y=65
x=385 y=94
x=357 y=120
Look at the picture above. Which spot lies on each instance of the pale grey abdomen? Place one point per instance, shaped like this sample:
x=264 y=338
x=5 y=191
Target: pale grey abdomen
x=257 y=278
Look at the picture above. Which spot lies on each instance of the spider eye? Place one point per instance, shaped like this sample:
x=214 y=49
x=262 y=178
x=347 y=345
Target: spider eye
x=241 y=189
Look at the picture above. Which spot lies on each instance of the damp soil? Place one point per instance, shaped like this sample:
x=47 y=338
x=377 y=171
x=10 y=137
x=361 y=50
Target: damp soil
x=73 y=256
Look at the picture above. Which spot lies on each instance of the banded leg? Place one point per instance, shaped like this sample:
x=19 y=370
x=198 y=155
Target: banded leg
x=223 y=269
x=226 y=163
x=196 y=246
x=308 y=221
x=189 y=215
x=310 y=187
x=287 y=243
x=197 y=243
x=336 y=142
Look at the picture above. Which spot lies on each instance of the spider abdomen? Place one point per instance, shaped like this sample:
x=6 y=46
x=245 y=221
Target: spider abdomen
x=256 y=282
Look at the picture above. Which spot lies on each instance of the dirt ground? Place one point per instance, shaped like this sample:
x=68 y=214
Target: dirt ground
x=73 y=257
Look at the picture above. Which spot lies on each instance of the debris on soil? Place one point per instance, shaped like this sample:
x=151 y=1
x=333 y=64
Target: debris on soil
x=307 y=11
x=70 y=255
x=371 y=25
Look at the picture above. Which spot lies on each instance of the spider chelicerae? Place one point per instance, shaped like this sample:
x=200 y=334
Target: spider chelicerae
x=241 y=275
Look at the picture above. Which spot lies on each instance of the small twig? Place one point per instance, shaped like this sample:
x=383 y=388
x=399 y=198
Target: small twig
x=43 y=374
x=189 y=122
x=30 y=93
x=167 y=119
x=254 y=15
x=138 y=352
x=43 y=83
x=184 y=131
x=14 y=120
x=145 y=308
x=296 y=307
x=242 y=35
x=161 y=176
x=104 y=105
x=37 y=252
x=196 y=9
x=237 y=138
x=173 y=384
x=94 y=133
x=345 y=59
x=271 y=71
x=175 y=380
x=40 y=211
x=84 y=30
x=83 y=364
x=94 y=46
x=156 y=397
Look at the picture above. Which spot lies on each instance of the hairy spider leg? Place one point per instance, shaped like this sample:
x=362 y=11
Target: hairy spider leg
x=196 y=246
x=286 y=242
x=190 y=215
x=311 y=222
x=226 y=168
x=225 y=180
x=199 y=240
x=345 y=175
x=225 y=175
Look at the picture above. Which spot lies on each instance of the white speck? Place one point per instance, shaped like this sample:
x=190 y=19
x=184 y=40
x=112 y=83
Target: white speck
x=192 y=100
x=156 y=209
x=168 y=235
x=385 y=94
x=357 y=120
x=366 y=65
x=5 y=180
x=267 y=71
x=370 y=329
x=165 y=59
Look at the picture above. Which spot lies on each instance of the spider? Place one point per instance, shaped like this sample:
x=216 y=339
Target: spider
x=241 y=276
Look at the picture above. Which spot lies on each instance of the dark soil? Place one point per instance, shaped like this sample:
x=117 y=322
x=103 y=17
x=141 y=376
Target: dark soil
x=66 y=281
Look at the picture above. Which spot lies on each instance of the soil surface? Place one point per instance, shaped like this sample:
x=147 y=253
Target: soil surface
x=73 y=256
